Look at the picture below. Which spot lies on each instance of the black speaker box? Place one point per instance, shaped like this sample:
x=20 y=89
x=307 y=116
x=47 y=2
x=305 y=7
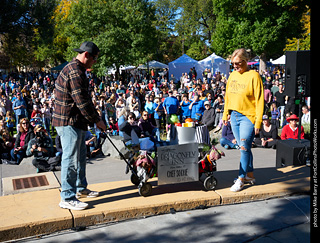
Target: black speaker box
x=292 y=152
x=297 y=70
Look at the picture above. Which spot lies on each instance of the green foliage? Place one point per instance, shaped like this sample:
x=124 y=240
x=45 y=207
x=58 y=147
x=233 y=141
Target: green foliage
x=26 y=30
x=198 y=50
x=134 y=31
x=260 y=25
x=302 y=42
x=122 y=29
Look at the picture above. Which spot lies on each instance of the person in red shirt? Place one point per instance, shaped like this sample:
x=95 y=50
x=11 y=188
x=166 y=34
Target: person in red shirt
x=150 y=85
x=290 y=131
x=36 y=111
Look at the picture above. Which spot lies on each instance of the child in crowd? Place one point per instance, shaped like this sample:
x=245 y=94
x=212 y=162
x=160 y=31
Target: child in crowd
x=10 y=122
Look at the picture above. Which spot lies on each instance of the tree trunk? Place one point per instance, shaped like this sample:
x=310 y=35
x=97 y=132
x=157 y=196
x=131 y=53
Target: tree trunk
x=263 y=62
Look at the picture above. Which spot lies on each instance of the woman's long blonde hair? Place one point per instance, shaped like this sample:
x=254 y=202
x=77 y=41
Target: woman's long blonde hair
x=241 y=53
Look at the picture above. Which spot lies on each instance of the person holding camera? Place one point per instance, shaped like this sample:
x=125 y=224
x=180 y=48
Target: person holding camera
x=41 y=148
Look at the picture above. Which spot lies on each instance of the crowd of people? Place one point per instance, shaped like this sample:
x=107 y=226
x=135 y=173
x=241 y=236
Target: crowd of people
x=147 y=103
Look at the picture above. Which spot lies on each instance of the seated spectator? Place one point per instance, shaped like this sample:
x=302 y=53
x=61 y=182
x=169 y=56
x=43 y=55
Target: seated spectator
x=208 y=115
x=146 y=126
x=6 y=144
x=24 y=135
x=58 y=145
x=91 y=142
x=290 y=131
x=228 y=140
x=41 y=148
x=113 y=127
x=268 y=134
x=127 y=126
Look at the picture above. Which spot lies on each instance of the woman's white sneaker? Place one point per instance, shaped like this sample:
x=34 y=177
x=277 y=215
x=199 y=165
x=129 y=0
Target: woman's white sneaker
x=247 y=179
x=237 y=186
x=73 y=205
x=87 y=193
x=250 y=180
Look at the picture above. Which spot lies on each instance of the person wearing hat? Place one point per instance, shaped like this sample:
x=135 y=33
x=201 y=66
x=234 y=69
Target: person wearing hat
x=290 y=131
x=208 y=115
x=73 y=112
x=268 y=134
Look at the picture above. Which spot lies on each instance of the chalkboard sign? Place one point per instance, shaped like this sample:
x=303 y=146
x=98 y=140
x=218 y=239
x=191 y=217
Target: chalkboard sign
x=178 y=163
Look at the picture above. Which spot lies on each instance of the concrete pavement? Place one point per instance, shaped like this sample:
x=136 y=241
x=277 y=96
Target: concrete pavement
x=37 y=212
x=283 y=220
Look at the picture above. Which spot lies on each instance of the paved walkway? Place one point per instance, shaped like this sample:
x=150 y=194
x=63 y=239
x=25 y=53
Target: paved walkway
x=37 y=212
x=279 y=220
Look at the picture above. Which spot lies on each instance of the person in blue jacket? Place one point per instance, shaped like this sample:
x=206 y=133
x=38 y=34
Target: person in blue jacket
x=171 y=106
x=197 y=108
x=185 y=111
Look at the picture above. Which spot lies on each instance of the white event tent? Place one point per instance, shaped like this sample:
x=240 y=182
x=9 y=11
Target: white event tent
x=184 y=63
x=280 y=60
x=215 y=63
x=153 y=65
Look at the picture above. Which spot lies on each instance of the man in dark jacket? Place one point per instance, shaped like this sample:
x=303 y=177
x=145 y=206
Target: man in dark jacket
x=73 y=112
x=208 y=115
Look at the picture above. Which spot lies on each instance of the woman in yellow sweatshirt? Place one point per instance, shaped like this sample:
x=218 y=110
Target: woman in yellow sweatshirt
x=244 y=103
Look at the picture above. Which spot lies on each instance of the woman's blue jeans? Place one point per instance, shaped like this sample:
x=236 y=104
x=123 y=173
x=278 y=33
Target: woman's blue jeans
x=243 y=131
x=73 y=161
x=224 y=142
x=18 y=156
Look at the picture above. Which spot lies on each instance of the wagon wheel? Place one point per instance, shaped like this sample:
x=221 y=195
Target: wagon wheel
x=135 y=179
x=210 y=183
x=145 y=190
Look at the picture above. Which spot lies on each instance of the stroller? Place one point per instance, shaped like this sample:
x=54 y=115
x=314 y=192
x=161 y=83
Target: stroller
x=143 y=166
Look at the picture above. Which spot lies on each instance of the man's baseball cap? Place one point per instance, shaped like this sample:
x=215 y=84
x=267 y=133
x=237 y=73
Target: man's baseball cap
x=89 y=47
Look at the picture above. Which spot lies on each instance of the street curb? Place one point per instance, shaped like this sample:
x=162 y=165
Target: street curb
x=32 y=213
x=120 y=201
